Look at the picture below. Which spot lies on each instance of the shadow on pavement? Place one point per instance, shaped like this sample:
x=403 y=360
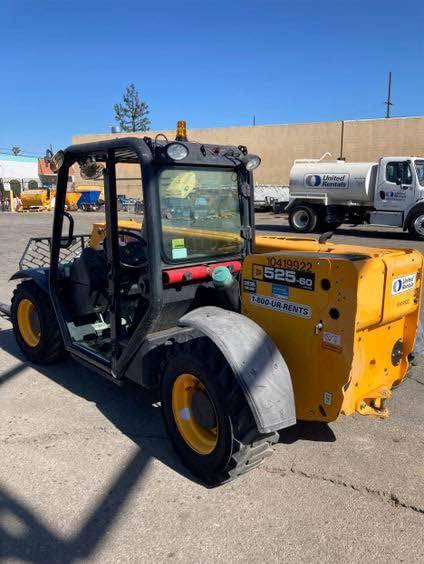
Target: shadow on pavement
x=35 y=542
x=308 y=431
x=131 y=410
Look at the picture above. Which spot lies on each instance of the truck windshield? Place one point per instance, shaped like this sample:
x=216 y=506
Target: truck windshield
x=200 y=212
x=419 y=166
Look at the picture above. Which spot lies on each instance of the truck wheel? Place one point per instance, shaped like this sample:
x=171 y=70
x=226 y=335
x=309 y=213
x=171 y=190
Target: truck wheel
x=416 y=225
x=303 y=219
x=207 y=416
x=35 y=325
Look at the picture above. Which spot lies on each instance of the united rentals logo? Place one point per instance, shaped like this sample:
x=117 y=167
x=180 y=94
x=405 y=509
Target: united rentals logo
x=403 y=283
x=327 y=180
x=313 y=180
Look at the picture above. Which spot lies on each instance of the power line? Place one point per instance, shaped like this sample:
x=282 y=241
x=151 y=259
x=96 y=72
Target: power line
x=23 y=152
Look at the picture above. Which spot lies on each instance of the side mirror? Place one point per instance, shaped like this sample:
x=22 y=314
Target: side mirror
x=398 y=181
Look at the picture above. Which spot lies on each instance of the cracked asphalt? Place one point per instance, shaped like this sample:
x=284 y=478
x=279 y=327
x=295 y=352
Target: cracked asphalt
x=87 y=473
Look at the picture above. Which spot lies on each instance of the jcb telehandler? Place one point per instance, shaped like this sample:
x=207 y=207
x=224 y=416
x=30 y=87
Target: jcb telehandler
x=241 y=334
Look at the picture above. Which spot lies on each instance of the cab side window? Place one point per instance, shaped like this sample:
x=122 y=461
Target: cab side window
x=399 y=171
x=406 y=173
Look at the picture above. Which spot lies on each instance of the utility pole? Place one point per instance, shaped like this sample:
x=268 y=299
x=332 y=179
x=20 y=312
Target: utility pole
x=254 y=120
x=388 y=102
x=341 y=157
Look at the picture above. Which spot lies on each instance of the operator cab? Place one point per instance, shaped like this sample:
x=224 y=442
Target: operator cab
x=132 y=276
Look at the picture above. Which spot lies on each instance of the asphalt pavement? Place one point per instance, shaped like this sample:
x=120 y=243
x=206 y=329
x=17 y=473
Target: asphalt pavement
x=87 y=473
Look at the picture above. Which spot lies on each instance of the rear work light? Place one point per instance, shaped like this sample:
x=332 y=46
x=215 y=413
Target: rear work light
x=251 y=161
x=176 y=151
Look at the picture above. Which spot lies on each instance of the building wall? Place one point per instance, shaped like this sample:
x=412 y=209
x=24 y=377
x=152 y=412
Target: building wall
x=280 y=145
x=19 y=168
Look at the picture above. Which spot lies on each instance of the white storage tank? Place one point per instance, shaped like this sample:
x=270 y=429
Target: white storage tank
x=337 y=181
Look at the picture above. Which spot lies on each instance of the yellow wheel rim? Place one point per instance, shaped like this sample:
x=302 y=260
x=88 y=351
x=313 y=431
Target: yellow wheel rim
x=200 y=438
x=29 y=322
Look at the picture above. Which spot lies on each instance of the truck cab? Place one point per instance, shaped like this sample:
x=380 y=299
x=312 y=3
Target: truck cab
x=324 y=194
x=400 y=183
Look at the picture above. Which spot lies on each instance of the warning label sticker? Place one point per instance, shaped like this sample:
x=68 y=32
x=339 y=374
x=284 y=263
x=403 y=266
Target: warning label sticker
x=332 y=341
x=249 y=285
x=284 y=306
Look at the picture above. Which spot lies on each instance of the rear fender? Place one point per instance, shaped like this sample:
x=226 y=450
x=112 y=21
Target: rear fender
x=256 y=363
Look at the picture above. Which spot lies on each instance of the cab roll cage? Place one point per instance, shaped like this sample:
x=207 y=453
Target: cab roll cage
x=117 y=150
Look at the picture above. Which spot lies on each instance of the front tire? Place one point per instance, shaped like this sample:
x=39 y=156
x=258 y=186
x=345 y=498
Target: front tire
x=208 y=419
x=303 y=218
x=35 y=325
x=416 y=225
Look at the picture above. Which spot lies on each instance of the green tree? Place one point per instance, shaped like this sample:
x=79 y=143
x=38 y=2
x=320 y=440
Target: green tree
x=132 y=114
x=15 y=186
x=33 y=185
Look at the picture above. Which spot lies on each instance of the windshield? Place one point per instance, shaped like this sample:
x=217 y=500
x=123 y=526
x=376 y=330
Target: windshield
x=419 y=166
x=200 y=213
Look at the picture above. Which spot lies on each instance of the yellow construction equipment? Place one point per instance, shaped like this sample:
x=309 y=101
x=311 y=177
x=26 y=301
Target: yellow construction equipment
x=35 y=200
x=241 y=334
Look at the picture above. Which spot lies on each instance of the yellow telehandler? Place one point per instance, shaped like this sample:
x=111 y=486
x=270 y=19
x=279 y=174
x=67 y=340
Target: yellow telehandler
x=242 y=334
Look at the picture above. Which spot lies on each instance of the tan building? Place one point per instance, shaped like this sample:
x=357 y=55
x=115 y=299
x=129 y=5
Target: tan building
x=280 y=145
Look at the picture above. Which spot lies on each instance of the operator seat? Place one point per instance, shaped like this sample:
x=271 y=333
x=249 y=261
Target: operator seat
x=88 y=283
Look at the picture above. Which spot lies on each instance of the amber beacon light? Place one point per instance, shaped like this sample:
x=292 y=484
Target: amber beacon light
x=181 y=131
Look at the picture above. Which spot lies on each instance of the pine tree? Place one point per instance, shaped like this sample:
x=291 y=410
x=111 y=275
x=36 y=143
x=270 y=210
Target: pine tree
x=132 y=114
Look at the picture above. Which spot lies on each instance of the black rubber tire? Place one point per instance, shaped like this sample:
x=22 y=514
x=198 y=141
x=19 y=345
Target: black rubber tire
x=411 y=227
x=50 y=348
x=240 y=446
x=312 y=214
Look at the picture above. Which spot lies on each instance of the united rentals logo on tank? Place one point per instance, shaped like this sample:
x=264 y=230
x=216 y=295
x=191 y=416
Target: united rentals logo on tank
x=327 y=180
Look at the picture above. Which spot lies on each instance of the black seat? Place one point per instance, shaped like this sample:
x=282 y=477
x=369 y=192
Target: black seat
x=88 y=283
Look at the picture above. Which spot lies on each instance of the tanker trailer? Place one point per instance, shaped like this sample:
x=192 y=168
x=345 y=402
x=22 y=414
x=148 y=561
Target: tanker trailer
x=325 y=194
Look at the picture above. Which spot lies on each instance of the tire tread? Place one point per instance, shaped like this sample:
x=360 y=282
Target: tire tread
x=52 y=348
x=249 y=446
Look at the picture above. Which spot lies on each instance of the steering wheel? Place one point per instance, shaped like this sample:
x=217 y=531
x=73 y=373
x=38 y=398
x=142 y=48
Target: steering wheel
x=132 y=255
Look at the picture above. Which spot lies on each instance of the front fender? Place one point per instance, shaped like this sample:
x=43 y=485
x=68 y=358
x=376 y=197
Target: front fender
x=39 y=275
x=256 y=363
x=417 y=206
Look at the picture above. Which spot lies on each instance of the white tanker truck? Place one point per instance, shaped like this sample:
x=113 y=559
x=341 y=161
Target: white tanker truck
x=324 y=194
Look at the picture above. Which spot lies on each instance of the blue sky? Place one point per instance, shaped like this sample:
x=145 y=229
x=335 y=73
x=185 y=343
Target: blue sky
x=217 y=63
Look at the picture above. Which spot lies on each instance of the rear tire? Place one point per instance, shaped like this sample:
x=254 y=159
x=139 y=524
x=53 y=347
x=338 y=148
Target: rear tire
x=303 y=218
x=416 y=225
x=35 y=325
x=208 y=419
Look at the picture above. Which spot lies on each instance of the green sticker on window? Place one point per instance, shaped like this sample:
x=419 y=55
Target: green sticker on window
x=178 y=244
